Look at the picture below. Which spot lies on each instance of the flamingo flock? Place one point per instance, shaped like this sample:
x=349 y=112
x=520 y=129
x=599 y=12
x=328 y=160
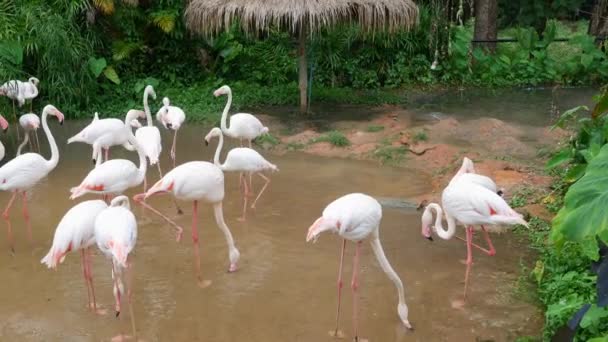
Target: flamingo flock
x=470 y=199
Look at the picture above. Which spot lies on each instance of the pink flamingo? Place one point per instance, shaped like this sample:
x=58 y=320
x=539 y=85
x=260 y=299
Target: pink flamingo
x=23 y=172
x=4 y=126
x=116 y=175
x=148 y=136
x=356 y=217
x=96 y=129
x=195 y=181
x=241 y=159
x=470 y=204
x=30 y=122
x=20 y=91
x=116 y=235
x=172 y=118
x=76 y=231
x=467 y=172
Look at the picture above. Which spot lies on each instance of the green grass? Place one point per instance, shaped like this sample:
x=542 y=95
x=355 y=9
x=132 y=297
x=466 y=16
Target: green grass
x=267 y=139
x=420 y=136
x=292 y=146
x=374 y=128
x=335 y=138
x=390 y=155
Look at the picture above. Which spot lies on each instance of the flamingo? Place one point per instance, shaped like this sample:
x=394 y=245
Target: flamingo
x=20 y=91
x=242 y=125
x=172 y=118
x=23 y=172
x=241 y=159
x=467 y=172
x=96 y=129
x=470 y=204
x=30 y=122
x=116 y=235
x=116 y=175
x=76 y=231
x=4 y=125
x=195 y=181
x=356 y=217
x=121 y=136
x=148 y=136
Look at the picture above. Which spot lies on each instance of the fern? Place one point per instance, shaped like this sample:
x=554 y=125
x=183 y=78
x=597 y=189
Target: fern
x=165 y=20
x=105 y=6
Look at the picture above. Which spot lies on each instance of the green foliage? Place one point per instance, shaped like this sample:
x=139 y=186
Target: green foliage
x=374 y=128
x=267 y=139
x=391 y=155
x=420 y=136
x=335 y=138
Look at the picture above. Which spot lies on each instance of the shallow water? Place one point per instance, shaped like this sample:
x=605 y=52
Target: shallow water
x=284 y=290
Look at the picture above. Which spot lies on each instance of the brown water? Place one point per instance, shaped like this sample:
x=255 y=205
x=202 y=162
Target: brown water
x=285 y=289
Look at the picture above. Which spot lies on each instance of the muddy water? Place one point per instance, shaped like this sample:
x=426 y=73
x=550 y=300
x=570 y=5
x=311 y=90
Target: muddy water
x=285 y=289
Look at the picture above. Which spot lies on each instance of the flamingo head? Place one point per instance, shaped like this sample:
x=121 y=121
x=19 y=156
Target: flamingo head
x=34 y=81
x=215 y=132
x=166 y=102
x=3 y=123
x=150 y=90
x=135 y=123
x=134 y=114
x=467 y=165
x=322 y=224
x=55 y=112
x=427 y=221
x=223 y=90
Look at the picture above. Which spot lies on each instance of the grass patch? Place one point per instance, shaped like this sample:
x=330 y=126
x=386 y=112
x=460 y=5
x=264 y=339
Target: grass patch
x=390 y=154
x=267 y=139
x=374 y=128
x=293 y=146
x=522 y=197
x=420 y=136
x=335 y=138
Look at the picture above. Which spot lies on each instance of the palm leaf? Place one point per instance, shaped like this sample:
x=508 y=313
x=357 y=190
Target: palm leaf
x=105 y=6
x=164 y=20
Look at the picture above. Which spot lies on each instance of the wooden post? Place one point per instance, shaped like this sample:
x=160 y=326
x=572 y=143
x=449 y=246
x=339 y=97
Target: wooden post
x=303 y=68
x=486 y=15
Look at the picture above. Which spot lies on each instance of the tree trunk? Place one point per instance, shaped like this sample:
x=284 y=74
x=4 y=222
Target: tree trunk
x=598 y=25
x=486 y=16
x=303 y=71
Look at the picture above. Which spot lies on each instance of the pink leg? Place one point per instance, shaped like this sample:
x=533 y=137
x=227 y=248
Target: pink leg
x=250 y=174
x=16 y=120
x=117 y=288
x=179 y=230
x=197 y=257
x=86 y=278
x=89 y=276
x=160 y=172
x=490 y=250
x=336 y=332
x=130 y=298
x=469 y=259
x=173 y=147
x=6 y=217
x=261 y=191
x=29 y=142
x=37 y=141
x=26 y=216
x=355 y=286
x=246 y=192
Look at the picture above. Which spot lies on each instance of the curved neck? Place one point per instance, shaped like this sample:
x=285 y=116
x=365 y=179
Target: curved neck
x=386 y=266
x=147 y=109
x=218 y=150
x=441 y=232
x=223 y=125
x=143 y=165
x=25 y=140
x=51 y=163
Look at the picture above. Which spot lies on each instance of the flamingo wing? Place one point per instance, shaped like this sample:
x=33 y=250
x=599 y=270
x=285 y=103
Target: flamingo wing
x=149 y=139
x=23 y=171
x=113 y=176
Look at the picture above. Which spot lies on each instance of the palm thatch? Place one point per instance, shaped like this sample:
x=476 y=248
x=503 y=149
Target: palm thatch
x=209 y=17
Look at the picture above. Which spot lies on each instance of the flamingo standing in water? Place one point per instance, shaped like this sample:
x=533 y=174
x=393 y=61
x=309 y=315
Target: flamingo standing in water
x=4 y=126
x=30 y=122
x=242 y=125
x=76 y=231
x=241 y=159
x=195 y=181
x=356 y=217
x=24 y=171
x=116 y=175
x=96 y=129
x=116 y=235
x=467 y=172
x=172 y=118
x=471 y=204
x=148 y=136
x=20 y=91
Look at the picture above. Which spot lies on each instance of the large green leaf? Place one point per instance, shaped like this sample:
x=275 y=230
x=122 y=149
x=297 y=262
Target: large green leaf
x=560 y=158
x=12 y=52
x=575 y=173
x=97 y=65
x=599 y=339
x=584 y=213
x=568 y=115
x=594 y=316
x=111 y=74
x=601 y=106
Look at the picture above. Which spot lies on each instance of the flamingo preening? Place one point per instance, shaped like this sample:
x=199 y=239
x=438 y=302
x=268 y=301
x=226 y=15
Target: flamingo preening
x=97 y=128
x=242 y=159
x=171 y=117
x=148 y=136
x=23 y=172
x=20 y=91
x=356 y=217
x=30 y=122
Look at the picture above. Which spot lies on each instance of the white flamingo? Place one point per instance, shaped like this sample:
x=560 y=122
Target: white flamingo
x=172 y=118
x=195 y=181
x=242 y=159
x=467 y=172
x=23 y=172
x=471 y=204
x=96 y=129
x=116 y=175
x=356 y=217
x=76 y=231
x=20 y=91
x=116 y=236
x=121 y=136
x=4 y=126
x=148 y=136
x=30 y=122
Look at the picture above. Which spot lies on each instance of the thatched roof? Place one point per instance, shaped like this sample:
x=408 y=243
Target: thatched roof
x=208 y=17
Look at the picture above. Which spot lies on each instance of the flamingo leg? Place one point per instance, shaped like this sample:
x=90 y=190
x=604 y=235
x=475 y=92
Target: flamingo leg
x=6 y=217
x=15 y=117
x=90 y=277
x=355 y=286
x=130 y=297
x=173 y=147
x=85 y=275
x=250 y=174
x=26 y=216
x=160 y=172
x=179 y=230
x=469 y=259
x=37 y=141
x=29 y=141
x=490 y=250
x=117 y=294
x=261 y=191
x=336 y=333
x=195 y=242
x=246 y=192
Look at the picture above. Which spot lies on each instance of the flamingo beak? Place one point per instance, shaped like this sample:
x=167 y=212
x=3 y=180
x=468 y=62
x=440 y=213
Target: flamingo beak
x=206 y=142
x=217 y=93
x=94 y=161
x=430 y=238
